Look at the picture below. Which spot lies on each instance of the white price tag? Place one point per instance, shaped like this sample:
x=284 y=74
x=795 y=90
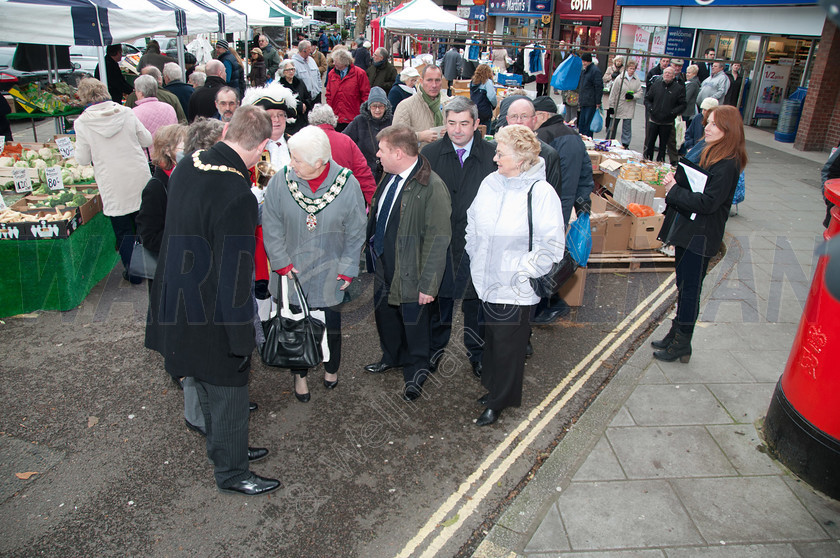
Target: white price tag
x=3 y=205
x=22 y=181
x=53 y=176
x=65 y=147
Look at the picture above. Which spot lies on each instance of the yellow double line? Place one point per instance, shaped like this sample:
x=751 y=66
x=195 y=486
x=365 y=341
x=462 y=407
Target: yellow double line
x=531 y=427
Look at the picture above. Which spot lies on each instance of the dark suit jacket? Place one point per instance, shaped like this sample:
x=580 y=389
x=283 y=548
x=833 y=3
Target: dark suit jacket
x=201 y=308
x=203 y=101
x=117 y=85
x=703 y=71
x=183 y=91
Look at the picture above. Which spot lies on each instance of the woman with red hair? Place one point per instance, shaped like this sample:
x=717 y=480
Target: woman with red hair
x=695 y=222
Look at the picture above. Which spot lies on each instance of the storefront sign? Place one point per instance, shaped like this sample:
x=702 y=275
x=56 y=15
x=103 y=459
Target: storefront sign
x=771 y=91
x=476 y=13
x=678 y=42
x=524 y=8
x=641 y=41
x=716 y=2
x=657 y=46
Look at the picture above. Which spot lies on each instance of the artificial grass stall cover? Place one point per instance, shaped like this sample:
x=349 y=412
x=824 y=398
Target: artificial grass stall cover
x=55 y=274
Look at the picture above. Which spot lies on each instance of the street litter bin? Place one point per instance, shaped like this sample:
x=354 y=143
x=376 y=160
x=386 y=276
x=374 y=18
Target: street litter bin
x=789 y=116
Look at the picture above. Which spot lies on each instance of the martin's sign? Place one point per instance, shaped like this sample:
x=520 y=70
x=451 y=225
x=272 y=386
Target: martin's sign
x=533 y=8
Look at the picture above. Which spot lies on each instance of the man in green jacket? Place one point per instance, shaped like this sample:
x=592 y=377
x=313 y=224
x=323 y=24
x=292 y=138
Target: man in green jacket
x=409 y=232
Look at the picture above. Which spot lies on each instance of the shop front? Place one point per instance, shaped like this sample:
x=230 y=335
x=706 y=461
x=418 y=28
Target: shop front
x=776 y=40
x=522 y=20
x=584 y=23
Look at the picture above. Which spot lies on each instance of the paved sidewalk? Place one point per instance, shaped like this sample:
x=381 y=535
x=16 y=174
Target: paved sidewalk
x=668 y=460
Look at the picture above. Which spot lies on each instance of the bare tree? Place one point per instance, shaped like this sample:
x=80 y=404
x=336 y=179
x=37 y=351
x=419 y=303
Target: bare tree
x=361 y=16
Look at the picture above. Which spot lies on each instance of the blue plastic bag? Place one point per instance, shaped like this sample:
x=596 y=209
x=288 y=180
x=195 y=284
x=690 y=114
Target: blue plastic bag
x=740 y=190
x=567 y=75
x=597 y=122
x=579 y=239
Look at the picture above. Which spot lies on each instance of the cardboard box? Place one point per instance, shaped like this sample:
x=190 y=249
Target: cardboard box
x=572 y=291
x=643 y=232
x=40 y=228
x=598 y=226
x=606 y=180
x=86 y=211
x=595 y=157
x=618 y=232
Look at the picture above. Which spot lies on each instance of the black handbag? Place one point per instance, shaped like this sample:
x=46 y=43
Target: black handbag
x=143 y=263
x=560 y=272
x=293 y=342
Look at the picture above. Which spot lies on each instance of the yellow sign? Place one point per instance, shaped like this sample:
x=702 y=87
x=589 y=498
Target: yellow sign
x=546 y=19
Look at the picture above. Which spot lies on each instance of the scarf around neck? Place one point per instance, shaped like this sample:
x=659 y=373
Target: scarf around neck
x=434 y=106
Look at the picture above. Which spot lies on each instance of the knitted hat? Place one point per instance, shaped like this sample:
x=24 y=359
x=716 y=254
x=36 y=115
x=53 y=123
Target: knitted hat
x=545 y=104
x=586 y=57
x=377 y=95
x=272 y=96
x=366 y=44
x=221 y=43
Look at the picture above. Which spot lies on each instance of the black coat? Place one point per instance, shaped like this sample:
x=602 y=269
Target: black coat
x=363 y=129
x=575 y=165
x=731 y=97
x=591 y=87
x=463 y=184
x=704 y=233
x=184 y=91
x=202 y=319
x=703 y=71
x=665 y=101
x=203 y=101
x=117 y=85
x=151 y=218
x=5 y=125
x=553 y=167
x=304 y=100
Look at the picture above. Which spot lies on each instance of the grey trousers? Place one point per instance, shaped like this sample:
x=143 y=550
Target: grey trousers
x=192 y=407
x=226 y=420
x=626 y=130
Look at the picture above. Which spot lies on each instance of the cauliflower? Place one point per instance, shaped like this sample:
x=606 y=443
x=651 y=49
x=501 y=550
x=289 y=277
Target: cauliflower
x=66 y=176
x=6 y=161
x=76 y=172
x=45 y=153
x=87 y=173
x=39 y=164
x=71 y=162
x=21 y=164
x=28 y=155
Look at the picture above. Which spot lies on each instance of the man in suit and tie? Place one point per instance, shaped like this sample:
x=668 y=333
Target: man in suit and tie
x=704 y=69
x=408 y=236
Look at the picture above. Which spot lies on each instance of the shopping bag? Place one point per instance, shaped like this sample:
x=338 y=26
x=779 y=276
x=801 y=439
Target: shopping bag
x=293 y=340
x=679 y=126
x=579 y=239
x=546 y=285
x=567 y=75
x=143 y=263
x=597 y=122
x=740 y=190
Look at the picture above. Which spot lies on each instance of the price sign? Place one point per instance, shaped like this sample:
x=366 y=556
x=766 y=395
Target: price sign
x=22 y=181
x=2 y=204
x=65 y=147
x=53 y=176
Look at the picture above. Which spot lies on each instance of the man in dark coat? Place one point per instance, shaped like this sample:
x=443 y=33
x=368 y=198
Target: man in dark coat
x=175 y=85
x=590 y=91
x=117 y=85
x=410 y=231
x=664 y=101
x=203 y=100
x=462 y=158
x=153 y=57
x=381 y=73
x=234 y=72
x=201 y=306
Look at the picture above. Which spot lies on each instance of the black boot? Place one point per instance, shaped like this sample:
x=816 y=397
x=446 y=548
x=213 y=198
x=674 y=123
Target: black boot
x=664 y=342
x=680 y=348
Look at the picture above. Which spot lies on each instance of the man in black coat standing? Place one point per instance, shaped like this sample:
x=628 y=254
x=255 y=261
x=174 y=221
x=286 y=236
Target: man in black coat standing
x=117 y=85
x=201 y=306
x=462 y=158
x=664 y=101
x=203 y=100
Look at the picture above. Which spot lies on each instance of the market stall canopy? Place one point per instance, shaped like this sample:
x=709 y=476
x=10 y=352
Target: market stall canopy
x=262 y=13
x=103 y=22
x=422 y=15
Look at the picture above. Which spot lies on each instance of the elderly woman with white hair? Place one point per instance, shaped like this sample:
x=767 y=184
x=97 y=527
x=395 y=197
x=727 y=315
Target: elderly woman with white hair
x=404 y=88
x=148 y=109
x=347 y=88
x=314 y=226
x=286 y=76
x=515 y=231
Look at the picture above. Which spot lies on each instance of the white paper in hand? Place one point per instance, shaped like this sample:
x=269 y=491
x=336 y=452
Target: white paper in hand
x=696 y=180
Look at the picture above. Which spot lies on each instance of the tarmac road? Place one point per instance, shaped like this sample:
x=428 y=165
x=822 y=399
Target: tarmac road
x=366 y=474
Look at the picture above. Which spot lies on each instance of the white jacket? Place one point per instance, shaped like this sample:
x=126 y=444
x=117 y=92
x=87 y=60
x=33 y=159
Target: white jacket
x=497 y=236
x=112 y=138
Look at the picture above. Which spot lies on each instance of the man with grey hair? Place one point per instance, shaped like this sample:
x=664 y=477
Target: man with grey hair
x=227 y=101
x=172 y=75
x=203 y=101
x=345 y=152
x=202 y=319
x=307 y=70
x=716 y=85
x=462 y=159
x=381 y=73
x=423 y=111
x=197 y=79
x=150 y=111
x=162 y=94
x=270 y=56
x=347 y=88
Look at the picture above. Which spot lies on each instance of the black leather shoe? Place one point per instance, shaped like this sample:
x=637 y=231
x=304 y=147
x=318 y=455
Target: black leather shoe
x=177 y=382
x=330 y=385
x=476 y=366
x=303 y=397
x=252 y=406
x=253 y=486
x=489 y=416
x=529 y=350
x=551 y=315
x=412 y=394
x=484 y=399
x=255 y=454
x=378 y=367
x=194 y=428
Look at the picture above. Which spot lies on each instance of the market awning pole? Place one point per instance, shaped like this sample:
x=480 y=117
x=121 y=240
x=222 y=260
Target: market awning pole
x=179 y=44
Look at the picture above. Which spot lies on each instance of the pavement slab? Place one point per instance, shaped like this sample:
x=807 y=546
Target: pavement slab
x=744 y=448
x=746 y=403
x=601 y=465
x=675 y=405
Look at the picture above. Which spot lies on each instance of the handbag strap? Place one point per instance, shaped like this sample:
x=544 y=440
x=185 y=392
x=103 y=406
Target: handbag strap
x=530 y=218
x=284 y=293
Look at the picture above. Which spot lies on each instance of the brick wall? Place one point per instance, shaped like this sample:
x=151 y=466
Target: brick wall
x=616 y=23
x=819 y=126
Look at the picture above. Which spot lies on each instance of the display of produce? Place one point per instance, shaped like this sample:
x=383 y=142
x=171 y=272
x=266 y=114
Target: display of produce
x=54 y=98
x=20 y=156
x=11 y=216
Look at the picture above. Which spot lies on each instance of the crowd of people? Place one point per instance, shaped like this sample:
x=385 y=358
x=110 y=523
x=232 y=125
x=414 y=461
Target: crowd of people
x=357 y=161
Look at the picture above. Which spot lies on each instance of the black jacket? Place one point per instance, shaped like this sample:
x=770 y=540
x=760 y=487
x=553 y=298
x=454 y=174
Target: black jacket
x=704 y=233
x=5 y=125
x=575 y=166
x=201 y=310
x=203 y=101
x=117 y=85
x=665 y=101
x=553 y=167
x=361 y=58
x=304 y=100
x=151 y=218
x=184 y=91
x=363 y=129
x=591 y=88
x=655 y=71
x=463 y=184
x=382 y=76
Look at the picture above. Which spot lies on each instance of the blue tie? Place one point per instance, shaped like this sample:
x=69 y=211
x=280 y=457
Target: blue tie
x=382 y=218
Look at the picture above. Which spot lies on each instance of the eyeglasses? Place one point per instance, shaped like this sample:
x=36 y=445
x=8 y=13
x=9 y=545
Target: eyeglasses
x=288 y=69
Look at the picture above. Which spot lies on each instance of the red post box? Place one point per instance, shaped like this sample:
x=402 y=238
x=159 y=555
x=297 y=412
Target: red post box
x=802 y=427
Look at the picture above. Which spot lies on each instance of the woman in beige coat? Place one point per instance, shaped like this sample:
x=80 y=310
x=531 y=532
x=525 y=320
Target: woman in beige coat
x=625 y=88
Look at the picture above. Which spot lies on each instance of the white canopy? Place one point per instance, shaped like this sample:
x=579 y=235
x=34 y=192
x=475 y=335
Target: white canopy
x=422 y=15
x=269 y=13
